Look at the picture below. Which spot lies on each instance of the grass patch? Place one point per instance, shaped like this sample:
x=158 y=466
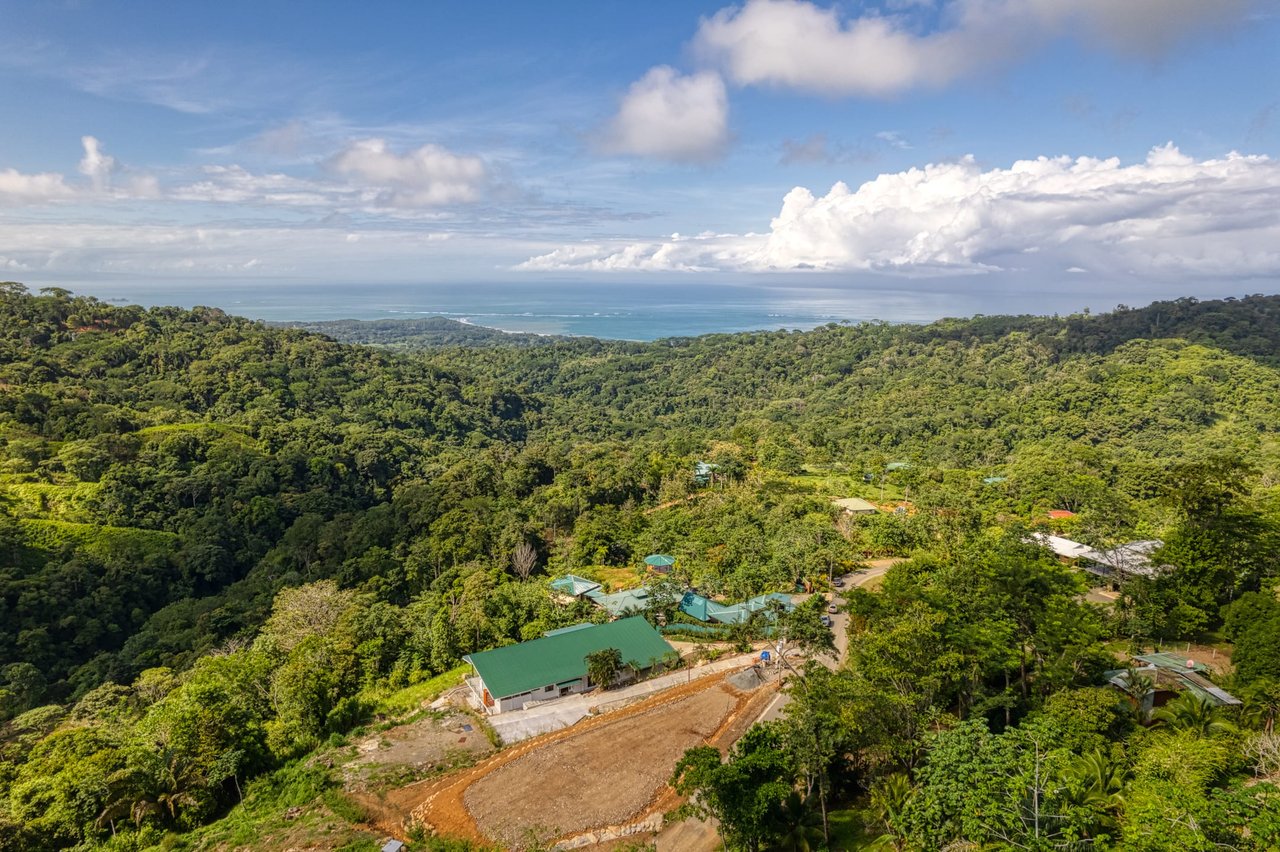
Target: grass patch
x=874 y=583
x=295 y=806
x=489 y=733
x=410 y=699
x=613 y=579
x=846 y=485
x=360 y=844
x=96 y=540
x=849 y=829
x=50 y=500
x=344 y=806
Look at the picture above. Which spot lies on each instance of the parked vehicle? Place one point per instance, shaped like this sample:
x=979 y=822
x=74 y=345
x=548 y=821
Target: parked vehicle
x=833 y=608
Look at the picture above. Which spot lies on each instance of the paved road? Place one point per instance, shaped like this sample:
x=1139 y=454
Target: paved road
x=839 y=626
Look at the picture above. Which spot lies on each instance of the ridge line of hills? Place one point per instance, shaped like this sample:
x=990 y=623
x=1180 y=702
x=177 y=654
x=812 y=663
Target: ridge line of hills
x=1228 y=323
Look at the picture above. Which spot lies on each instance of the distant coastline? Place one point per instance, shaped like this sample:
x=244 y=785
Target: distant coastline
x=646 y=309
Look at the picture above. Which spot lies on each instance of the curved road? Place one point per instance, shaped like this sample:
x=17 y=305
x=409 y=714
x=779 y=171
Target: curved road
x=839 y=626
x=695 y=835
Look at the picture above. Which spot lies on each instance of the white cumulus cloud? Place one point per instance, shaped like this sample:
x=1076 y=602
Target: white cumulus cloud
x=798 y=45
x=19 y=188
x=669 y=116
x=363 y=176
x=427 y=176
x=96 y=164
x=1169 y=214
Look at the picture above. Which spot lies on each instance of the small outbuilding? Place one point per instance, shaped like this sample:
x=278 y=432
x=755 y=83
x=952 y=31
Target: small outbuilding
x=1166 y=677
x=623 y=603
x=855 y=506
x=573 y=586
x=660 y=562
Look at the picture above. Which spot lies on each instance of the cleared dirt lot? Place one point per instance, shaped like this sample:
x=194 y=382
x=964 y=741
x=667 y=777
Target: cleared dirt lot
x=428 y=745
x=600 y=778
x=600 y=773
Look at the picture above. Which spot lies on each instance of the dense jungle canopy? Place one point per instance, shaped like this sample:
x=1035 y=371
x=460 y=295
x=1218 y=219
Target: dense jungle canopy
x=218 y=538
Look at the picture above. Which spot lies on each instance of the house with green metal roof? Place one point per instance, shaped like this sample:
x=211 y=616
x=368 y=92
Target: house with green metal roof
x=554 y=666
x=1162 y=677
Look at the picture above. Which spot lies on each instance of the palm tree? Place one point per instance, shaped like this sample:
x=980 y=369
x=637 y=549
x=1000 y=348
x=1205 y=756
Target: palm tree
x=1190 y=712
x=123 y=794
x=165 y=783
x=1262 y=704
x=603 y=666
x=1140 y=686
x=1097 y=782
x=889 y=800
x=803 y=826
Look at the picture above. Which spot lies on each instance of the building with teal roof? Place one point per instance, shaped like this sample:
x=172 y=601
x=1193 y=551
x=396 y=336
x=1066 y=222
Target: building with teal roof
x=625 y=602
x=702 y=608
x=554 y=666
x=704 y=472
x=574 y=586
x=660 y=562
x=638 y=600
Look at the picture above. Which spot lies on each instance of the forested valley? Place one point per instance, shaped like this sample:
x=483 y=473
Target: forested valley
x=225 y=545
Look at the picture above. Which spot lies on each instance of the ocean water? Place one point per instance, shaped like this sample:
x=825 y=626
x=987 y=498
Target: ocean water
x=640 y=309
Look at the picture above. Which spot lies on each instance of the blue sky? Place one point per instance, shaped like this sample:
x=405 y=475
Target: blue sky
x=435 y=142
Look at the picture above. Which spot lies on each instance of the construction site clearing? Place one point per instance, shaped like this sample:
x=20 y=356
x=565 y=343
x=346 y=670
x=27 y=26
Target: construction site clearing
x=601 y=780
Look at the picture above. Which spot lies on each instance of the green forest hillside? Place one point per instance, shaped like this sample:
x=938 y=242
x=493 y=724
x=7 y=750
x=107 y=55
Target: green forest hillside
x=221 y=541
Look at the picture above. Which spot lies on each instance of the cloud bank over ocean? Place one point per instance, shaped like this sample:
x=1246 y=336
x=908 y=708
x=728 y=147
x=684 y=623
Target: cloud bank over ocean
x=1169 y=214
